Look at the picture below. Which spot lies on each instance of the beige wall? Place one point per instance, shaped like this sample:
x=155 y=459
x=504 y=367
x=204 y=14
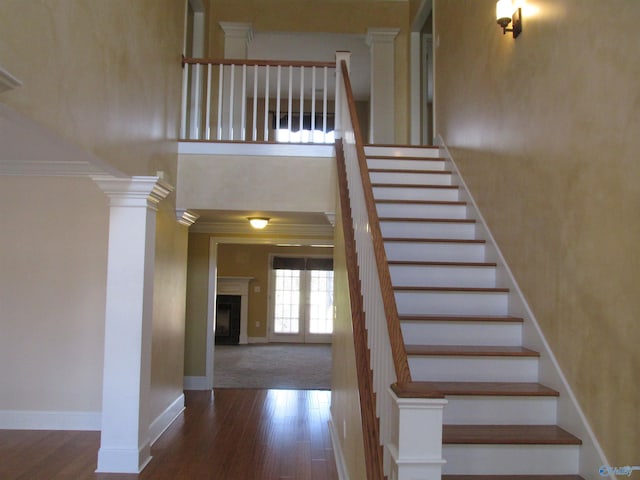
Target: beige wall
x=333 y=16
x=169 y=296
x=544 y=128
x=345 y=399
x=235 y=260
x=105 y=74
x=53 y=265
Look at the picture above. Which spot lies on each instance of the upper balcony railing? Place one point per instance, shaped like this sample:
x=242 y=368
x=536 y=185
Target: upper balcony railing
x=258 y=101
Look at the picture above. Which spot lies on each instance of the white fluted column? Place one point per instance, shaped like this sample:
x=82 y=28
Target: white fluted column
x=125 y=443
x=236 y=41
x=381 y=42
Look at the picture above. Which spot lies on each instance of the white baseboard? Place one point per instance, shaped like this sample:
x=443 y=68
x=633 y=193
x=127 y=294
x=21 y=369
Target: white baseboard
x=50 y=420
x=258 y=340
x=166 y=418
x=341 y=466
x=197 y=383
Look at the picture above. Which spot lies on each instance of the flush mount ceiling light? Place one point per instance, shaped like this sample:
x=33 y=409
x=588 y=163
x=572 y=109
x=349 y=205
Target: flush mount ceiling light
x=506 y=13
x=258 y=222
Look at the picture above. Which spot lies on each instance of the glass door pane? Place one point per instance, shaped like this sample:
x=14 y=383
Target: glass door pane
x=321 y=302
x=287 y=302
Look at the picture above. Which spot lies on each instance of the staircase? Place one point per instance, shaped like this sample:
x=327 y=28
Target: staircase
x=459 y=335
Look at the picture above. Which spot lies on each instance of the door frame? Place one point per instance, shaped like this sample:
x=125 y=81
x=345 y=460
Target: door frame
x=302 y=337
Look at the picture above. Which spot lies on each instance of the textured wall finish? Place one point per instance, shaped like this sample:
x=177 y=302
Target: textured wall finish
x=544 y=129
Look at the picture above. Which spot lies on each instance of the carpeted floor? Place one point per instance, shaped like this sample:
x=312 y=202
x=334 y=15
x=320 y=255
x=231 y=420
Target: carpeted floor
x=284 y=366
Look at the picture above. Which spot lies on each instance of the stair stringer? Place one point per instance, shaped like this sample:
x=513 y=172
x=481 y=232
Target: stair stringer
x=569 y=414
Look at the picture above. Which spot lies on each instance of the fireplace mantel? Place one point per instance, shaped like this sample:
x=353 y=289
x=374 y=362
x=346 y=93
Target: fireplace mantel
x=238 y=286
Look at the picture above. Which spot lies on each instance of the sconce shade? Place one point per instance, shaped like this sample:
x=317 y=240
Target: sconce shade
x=507 y=12
x=504 y=12
x=258 y=222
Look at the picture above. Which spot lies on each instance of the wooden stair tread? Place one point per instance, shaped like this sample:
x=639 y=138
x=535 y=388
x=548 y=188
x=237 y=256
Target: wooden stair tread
x=512 y=477
x=507 y=435
x=493 y=389
x=421 y=202
x=460 y=318
x=451 y=289
x=408 y=157
x=470 y=351
x=433 y=240
x=403 y=145
x=415 y=185
x=427 y=220
x=420 y=263
x=413 y=172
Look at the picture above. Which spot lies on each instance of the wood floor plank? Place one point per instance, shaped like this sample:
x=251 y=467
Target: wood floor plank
x=239 y=434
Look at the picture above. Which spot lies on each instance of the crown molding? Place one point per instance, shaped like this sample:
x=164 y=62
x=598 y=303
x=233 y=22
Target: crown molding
x=136 y=191
x=272 y=230
x=186 y=217
x=7 y=81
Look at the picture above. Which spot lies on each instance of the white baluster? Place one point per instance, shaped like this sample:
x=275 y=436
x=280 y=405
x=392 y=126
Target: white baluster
x=266 y=104
x=301 y=102
x=243 y=110
x=290 y=104
x=313 y=100
x=231 y=100
x=324 y=107
x=207 y=128
x=185 y=99
x=278 y=101
x=220 y=100
x=254 y=127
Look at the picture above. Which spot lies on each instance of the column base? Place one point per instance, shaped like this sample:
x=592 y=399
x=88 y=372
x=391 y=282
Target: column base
x=121 y=460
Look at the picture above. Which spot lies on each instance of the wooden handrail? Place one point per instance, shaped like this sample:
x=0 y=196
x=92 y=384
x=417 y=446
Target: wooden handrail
x=370 y=425
x=398 y=351
x=250 y=62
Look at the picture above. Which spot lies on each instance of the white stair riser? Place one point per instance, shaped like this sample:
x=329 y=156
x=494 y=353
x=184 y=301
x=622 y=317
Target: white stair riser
x=431 y=368
x=410 y=178
x=398 y=164
x=475 y=410
x=442 y=276
x=439 y=230
x=452 y=303
x=435 y=252
x=409 y=193
x=462 y=333
x=405 y=210
x=393 y=151
x=511 y=459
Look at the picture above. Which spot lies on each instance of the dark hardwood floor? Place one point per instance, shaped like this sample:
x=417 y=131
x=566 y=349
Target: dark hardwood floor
x=240 y=434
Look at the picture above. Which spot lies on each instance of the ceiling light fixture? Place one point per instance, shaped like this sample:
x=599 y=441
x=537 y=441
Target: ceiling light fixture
x=506 y=13
x=258 y=222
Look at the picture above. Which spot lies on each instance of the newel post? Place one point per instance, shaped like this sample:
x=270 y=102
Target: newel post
x=416 y=445
x=341 y=101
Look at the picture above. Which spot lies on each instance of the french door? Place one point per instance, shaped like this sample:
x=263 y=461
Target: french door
x=301 y=300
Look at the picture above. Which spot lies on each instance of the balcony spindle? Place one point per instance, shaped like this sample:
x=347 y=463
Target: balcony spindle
x=207 y=128
x=266 y=104
x=254 y=127
x=220 y=84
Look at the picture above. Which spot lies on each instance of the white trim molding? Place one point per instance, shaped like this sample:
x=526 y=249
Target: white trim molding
x=7 y=81
x=166 y=418
x=186 y=217
x=341 y=464
x=49 y=420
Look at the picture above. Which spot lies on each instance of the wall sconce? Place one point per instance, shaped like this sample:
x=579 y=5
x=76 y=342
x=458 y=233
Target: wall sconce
x=507 y=13
x=258 y=222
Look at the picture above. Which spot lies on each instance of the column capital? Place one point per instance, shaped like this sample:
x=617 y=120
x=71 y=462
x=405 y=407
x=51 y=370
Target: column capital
x=381 y=35
x=237 y=30
x=136 y=191
x=186 y=217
